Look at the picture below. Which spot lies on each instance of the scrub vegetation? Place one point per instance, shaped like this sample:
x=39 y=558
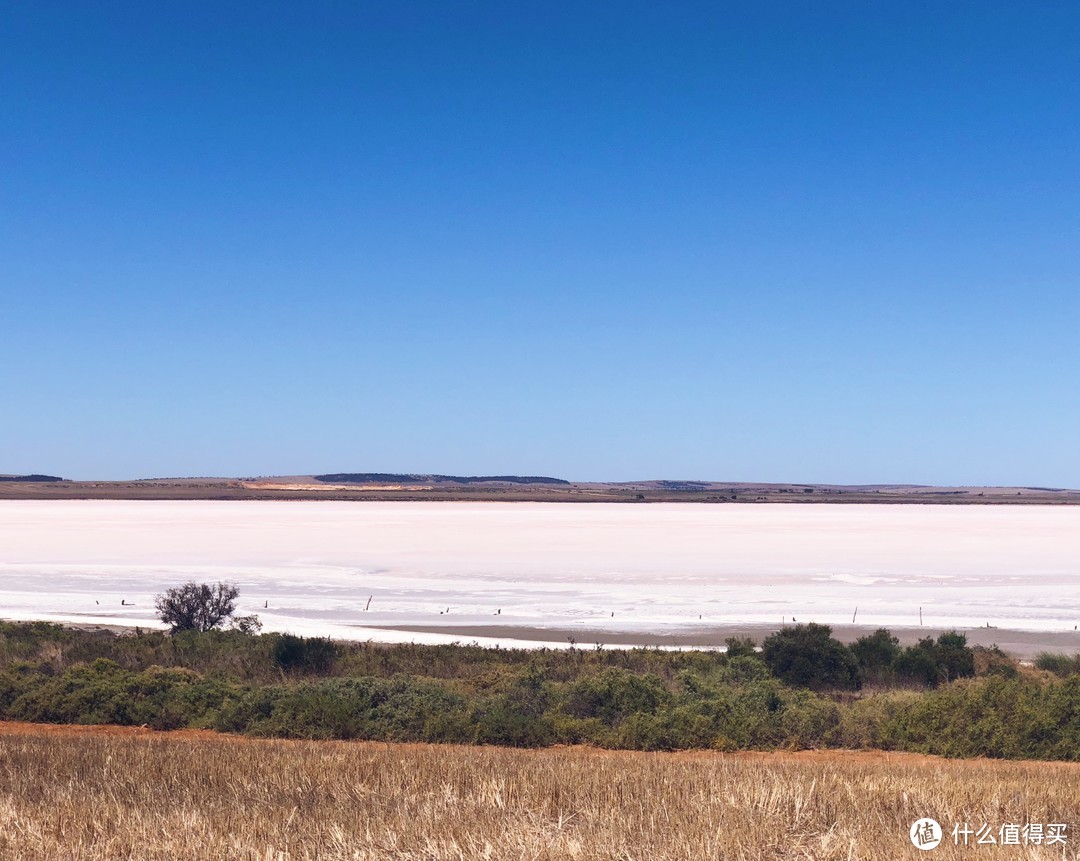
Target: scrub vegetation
x=801 y=690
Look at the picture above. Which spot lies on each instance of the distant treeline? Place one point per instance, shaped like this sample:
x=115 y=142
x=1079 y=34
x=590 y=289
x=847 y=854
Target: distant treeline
x=799 y=691
x=398 y=478
x=33 y=477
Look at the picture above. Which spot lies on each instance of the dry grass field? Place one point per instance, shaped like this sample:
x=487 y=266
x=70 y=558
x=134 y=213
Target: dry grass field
x=109 y=793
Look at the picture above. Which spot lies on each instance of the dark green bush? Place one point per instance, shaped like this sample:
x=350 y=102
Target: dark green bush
x=931 y=662
x=741 y=647
x=516 y=714
x=877 y=654
x=613 y=695
x=808 y=656
x=397 y=709
x=504 y=720
x=316 y=655
x=104 y=692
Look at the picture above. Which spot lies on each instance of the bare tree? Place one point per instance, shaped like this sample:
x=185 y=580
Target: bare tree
x=197 y=606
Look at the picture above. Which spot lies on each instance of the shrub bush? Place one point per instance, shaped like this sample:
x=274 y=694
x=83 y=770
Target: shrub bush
x=613 y=695
x=808 y=656
x=1058 y=664
x=316 y=655
x=930 y=663
x=643 y=698
x=877 y=654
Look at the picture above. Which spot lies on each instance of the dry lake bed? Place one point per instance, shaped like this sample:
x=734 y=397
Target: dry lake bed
x=672 y=574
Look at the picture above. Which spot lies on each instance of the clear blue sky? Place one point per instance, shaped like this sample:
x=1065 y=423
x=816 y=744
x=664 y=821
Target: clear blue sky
x=833 y=242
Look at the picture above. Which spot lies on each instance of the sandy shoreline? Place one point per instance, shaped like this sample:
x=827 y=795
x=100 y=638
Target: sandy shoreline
x=1023 y=645
x=1020 y=644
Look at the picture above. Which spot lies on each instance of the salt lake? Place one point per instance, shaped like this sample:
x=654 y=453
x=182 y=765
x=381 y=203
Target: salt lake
x=313 y=567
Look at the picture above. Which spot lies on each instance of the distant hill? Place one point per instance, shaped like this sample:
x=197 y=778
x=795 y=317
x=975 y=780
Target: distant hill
x=401 y=478
x=414 y=487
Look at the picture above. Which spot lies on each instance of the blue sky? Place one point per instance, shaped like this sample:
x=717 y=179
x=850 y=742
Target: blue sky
x=833 y=242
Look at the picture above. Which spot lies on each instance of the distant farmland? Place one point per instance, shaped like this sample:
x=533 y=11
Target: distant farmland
x=405 y=478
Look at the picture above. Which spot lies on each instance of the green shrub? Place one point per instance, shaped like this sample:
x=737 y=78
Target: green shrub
x=930 y=663
x=504 y=720
x=877 y=654
x=995 y=717
x=316 y=655
x=646 y=699
x=247 y=710
x=873 y=722
x=741 y=647
x=103 y=692
x=808 y=721
x=808 y=656
x=1058 y=664
x=515 y=714
x=613 y=695
x=397 y=709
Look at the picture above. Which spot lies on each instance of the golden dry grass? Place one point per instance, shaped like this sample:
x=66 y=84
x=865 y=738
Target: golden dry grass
x=81 y=794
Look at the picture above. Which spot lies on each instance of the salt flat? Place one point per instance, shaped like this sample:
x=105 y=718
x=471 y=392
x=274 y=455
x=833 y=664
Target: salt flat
x=310 y=567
